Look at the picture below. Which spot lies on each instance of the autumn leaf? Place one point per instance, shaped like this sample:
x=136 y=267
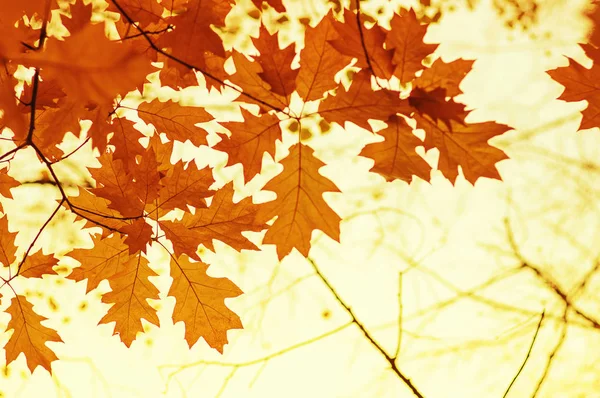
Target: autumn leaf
x=299 y=207
x=87 y=73
x=366 y=45
x=29 y=335
x=406 y=40
x=250 y=140
x=7 y=243
x=130 y=291
x=107 y=258
x=200 y=303
x=581 y=84
x=38 y=264
x=435 y=105
x=319 y=61
x=464 y=145
x=185 y=186
x=276 y=64
x=361 y=103
x=176 y=121
x=222 y=220
x=395 y=157
x=444 y=75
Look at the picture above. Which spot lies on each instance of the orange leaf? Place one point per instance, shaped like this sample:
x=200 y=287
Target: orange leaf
x=366 y=47
x=222 y=220
x=185 y=186
x=300 y=206
x=276 y=63
x=29 y=336
x=107 y=258
x=406 y=39
x=91 y=73
x=395 y=156
x=131 y=290
x=464 y=145
x=176 y=121
x=38 y=264
x=434 y=104
x=139 y=233
x=7 y=243
x=249 y=141
x=444 y=75
x=247 y=76
x=319 y=61
x=200 y=303
x=361 y=103
x=582 y=84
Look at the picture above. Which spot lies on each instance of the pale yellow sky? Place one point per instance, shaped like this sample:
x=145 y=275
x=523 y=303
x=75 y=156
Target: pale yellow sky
x=458 y=339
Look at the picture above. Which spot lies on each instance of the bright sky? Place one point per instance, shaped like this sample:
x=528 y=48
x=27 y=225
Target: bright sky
x=445 y=241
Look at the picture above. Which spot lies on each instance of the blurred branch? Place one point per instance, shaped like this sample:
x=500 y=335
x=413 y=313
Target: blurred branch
x=355 y=320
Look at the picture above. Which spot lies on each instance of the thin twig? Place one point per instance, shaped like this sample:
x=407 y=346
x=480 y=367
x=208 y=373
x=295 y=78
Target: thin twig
x=537 y=329
x=365 y=332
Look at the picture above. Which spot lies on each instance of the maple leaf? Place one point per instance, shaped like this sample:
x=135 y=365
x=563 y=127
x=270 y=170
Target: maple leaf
x=319 y=61
x=176 y=121
x=395 y=156
x=29 y=335
x=581 y=84
x=464 y=145
x=131 y=289
x=81 y=14
x=199 y=303
x=299 y=207
x=249 y=141
x=222 y=220
x=126 y=140
x=361 y=103
x=366 y=45
x=406 y=39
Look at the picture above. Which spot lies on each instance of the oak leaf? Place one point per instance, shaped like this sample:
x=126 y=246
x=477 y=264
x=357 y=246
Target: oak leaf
x=87 y=73
x=176 y=121
x=131 y=289
x=200 y=303
x=249 y=141
x=395 y=157
x=299 y=207
x=319 y=61
x=222 y=220
x=464 y=145
x=29 y=335
x=406 y=40
x=361 y=103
